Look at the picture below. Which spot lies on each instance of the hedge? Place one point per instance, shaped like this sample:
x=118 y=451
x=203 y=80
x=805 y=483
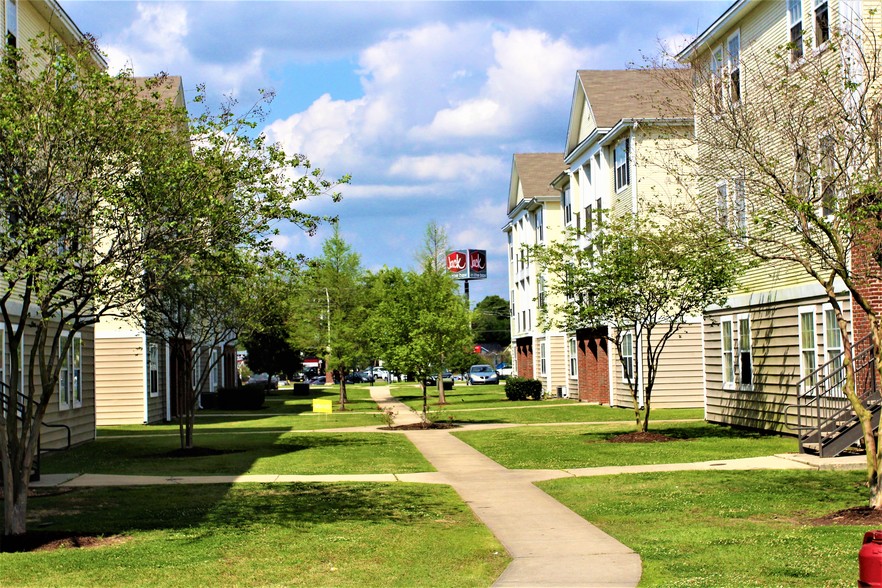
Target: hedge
x=523 y=389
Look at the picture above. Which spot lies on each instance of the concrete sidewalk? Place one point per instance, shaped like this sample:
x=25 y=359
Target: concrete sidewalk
x=550 y=544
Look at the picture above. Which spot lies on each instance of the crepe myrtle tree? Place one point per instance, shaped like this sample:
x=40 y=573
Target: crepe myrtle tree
x=101 y=184
x=800 y=157
x=643 y=275
x=419 y=320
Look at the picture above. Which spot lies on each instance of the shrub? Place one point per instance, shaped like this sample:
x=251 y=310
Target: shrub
x=523 y=389
x=245 y=397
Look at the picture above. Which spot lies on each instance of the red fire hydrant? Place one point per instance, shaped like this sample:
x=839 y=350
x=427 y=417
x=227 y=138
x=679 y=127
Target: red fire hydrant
x=870 y=561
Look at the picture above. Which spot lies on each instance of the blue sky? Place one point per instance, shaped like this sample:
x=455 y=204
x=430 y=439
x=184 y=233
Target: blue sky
x=423 y=103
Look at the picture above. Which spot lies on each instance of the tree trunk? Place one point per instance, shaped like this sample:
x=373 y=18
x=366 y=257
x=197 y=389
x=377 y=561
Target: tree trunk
x=442 y=399
x=343 y=398
x=425 y=399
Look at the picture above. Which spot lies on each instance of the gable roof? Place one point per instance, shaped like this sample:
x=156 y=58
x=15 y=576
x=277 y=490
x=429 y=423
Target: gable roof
x=632 y=93
x=534 y=171
x=165 y=89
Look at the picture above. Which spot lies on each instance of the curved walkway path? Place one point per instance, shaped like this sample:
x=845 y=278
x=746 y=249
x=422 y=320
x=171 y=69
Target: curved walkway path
x=550 y=545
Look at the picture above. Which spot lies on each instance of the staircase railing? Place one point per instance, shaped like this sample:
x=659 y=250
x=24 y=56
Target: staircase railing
x=20 y=404
x=823 y=411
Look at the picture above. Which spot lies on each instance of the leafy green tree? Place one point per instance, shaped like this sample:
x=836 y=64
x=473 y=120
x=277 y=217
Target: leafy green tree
x=419 y=320
x=491 y=322
x=104 y=191
x=332 y=309
x=652 y=275
x=268 y=340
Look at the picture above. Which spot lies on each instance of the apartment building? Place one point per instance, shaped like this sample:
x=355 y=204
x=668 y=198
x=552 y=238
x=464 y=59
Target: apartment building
x=534 y=217
x=622 y=122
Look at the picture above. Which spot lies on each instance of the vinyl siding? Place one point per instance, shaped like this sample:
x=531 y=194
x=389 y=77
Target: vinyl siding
x=776 y=366
x=156 y=406
x=653 y=148
x=120 y=380
x=679 y=381
x=80 y=419
x=558 y=375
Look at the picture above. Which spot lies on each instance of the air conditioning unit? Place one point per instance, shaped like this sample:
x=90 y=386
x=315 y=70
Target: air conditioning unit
x=562 y=392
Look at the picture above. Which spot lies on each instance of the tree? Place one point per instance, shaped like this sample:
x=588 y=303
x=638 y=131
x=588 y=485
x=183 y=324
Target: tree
x=433 y=254
x=492 y=322
x=805 y=147
x=418 y=321
x=102 y=192
x=332 y=306
x=268 y=340
x=651 y=276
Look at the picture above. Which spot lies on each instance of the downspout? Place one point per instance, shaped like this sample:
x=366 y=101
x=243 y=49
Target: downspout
x=167 y=382
x=146 y=353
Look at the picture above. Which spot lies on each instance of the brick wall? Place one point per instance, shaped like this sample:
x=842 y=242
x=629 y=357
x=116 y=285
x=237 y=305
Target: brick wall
x=524 y=349
x=593 y=365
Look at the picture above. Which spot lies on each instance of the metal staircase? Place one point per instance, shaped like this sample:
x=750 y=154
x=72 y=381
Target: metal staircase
x=826 y=422
x=6 y=405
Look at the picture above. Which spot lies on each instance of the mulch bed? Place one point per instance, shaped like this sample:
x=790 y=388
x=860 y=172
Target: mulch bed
x=857 y=515
x=52 y=540
x=638 y=437
x=420 y=427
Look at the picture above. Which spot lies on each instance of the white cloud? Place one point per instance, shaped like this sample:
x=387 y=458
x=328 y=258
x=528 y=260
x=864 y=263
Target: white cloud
x=447 y=168
x=157 y=41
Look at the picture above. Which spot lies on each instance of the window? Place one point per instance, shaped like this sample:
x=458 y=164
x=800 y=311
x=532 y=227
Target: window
x=540 y=293
x=11 y=23
x=540 y=228
x=734 y=67
x=716 y=80
x=153 y=369
x=745 y=357
x=589 y=219
x=807 y=346
x=70 y=381
x=833 y=347
x=722 y=205
x=214 y=366
x=573 y=361
x=822 y=22
x=542 y=358
x=728 y=347
x=628 y=356
x=567 y=206
x=801 y=172
x=794 y=15
x=197 y=369
x=827 y=173
x=598 y=209
x=622 y=170
x=740 y=206
x=578 y=223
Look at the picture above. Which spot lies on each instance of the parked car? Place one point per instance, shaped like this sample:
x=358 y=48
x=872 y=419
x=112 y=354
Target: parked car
x=446 y=377
x=503 y=370
x=317 y=381
x=261 y=379
x=482 y=374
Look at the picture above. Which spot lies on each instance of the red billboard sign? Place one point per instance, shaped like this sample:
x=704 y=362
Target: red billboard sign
x=467 y=264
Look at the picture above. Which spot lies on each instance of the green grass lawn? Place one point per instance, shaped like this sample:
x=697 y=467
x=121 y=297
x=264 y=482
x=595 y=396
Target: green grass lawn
x=713 y=529
x=281 y=411
x=262 y=535
x=488 y=404
x=582 y=446
x=246 y=453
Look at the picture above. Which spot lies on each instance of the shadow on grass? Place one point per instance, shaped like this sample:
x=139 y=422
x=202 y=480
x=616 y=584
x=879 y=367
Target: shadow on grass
x=687 y=433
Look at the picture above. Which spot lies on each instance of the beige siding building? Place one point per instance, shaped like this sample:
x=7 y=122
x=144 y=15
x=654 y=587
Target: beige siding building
x=621 y=124
x=534 y=214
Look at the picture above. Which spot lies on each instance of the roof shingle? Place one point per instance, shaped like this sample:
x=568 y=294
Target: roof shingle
x=618 y=94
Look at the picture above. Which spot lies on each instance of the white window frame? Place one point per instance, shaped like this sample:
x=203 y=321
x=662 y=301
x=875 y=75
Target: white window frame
x=627 y=357
x=739 y=206
x=542 y=361
x=11 y=27
x=574 y=366
x=745 y=346
x=727 y=352
x=153 y=369
x=540 y=227
x=214 y=365
x=64 y=389
x=76 y=370
x=567 y=205
x=807 y=352
x=795 y=30
x=821 y=7
x=832 y=348
x=622 y=165
x=716 y=79
x=197 y=369
x=733 y=70
x=722 y=205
